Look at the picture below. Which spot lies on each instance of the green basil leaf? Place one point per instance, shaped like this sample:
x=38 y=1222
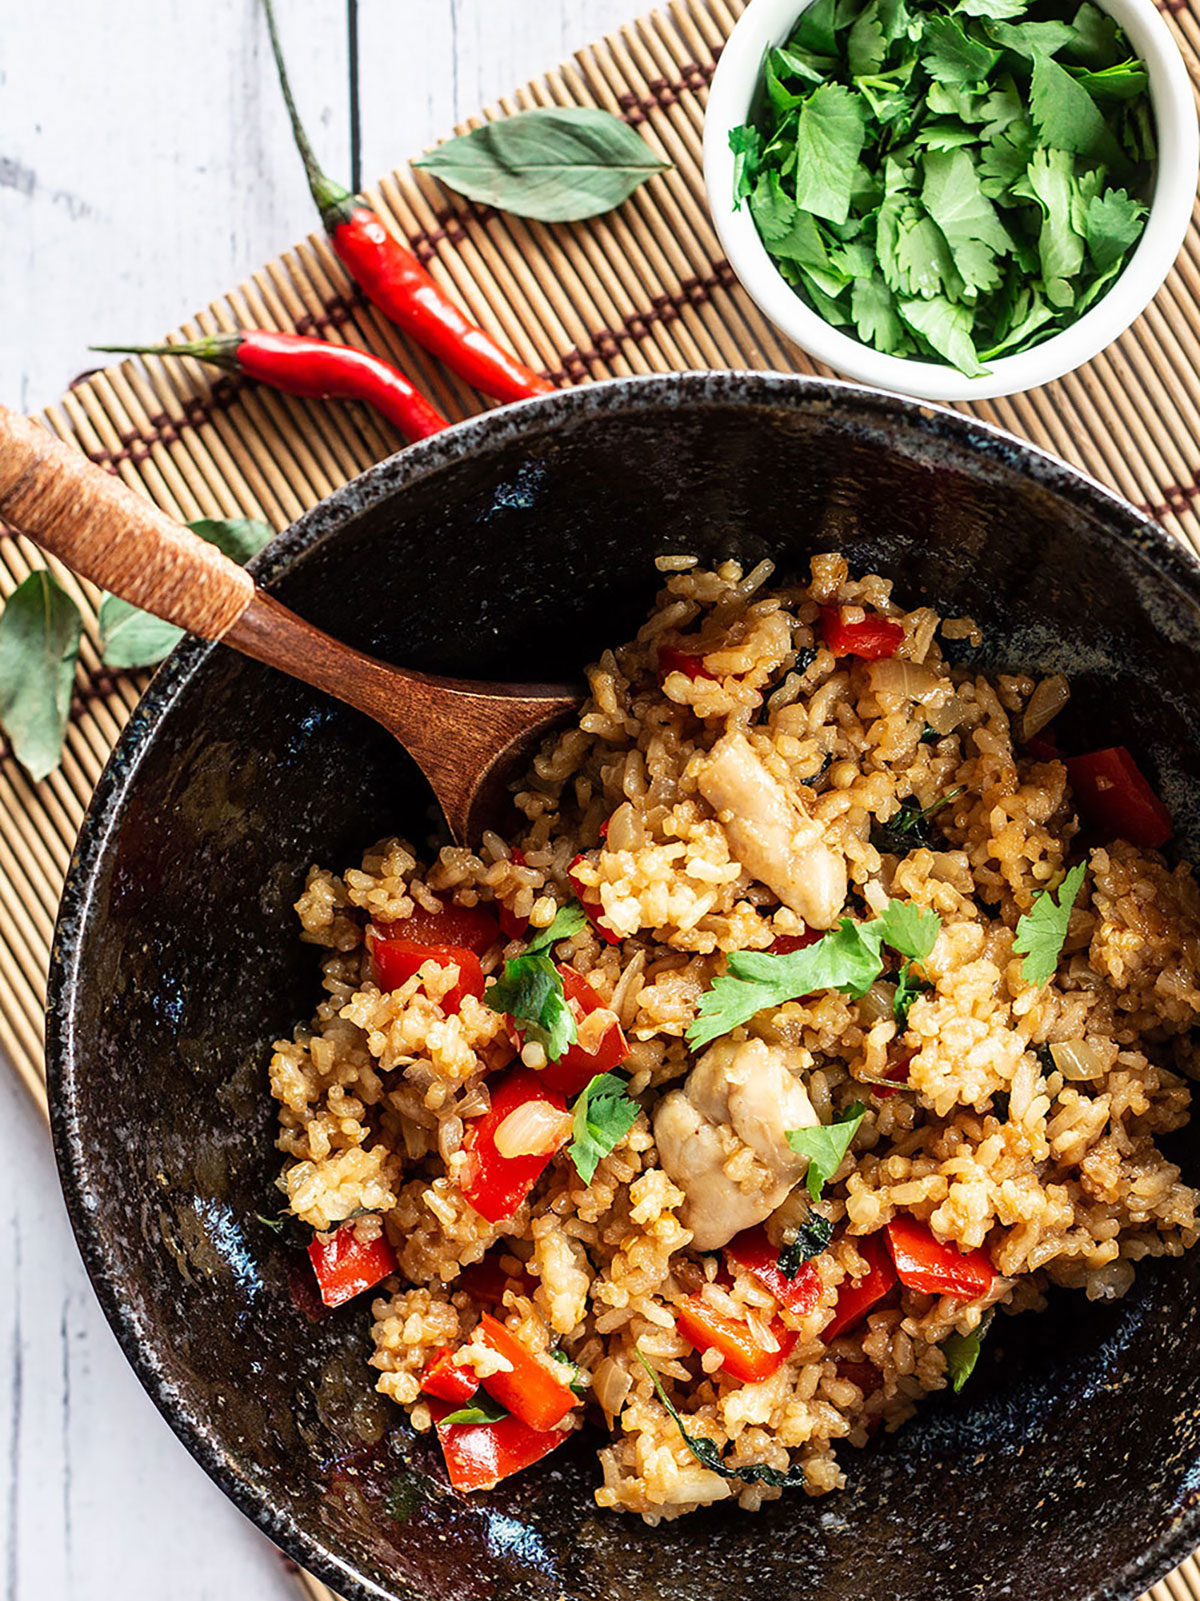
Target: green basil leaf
x=812 y=1237
x=40 y=628
x=554 y=164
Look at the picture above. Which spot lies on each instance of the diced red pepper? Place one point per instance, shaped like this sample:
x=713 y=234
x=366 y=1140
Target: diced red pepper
x=590 y=901
x=746 y=1357
x=785 y=944
x=865 y=1374
x=346 y=1266
x=576 y=1068
x=673 y=660
x=898 y=1072
x=447 y=1382
x=496 y=1185
x=479 y=1455
x=486 y=1281
x=856 y=1297
x=924 y=1263
x=1116 y=800
x=753 y=1252
x=471 y=926
x=526 y=1388
x=396 y=960
x=872 y=638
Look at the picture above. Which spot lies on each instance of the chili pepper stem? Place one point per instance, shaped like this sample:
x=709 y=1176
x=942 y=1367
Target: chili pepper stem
x=334 y=202
x=220 y=349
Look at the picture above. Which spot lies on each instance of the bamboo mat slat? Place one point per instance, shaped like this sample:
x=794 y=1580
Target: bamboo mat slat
x=644 y=289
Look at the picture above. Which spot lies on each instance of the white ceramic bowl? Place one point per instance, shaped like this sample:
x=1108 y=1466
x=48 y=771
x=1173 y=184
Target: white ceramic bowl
x=766 y=23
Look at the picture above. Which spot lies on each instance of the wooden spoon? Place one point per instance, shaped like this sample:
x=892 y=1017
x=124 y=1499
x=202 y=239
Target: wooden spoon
x=465 y=737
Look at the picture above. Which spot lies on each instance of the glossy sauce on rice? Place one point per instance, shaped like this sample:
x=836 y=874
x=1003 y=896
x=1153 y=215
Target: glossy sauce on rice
x=999 y=1115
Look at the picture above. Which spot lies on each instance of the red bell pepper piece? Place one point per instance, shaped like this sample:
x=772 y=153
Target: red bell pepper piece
x=447 y=1382
x=590 y=901
x=898 y=1071
x=753 y=1252
x=527 y=1390
x=576 y=1068
x=486 y=1281
x=746 y=1358
x=473 y=927
x=479 y=1455
x=856 y=1297
x=396 y=960
x=673 y=660
x=496 y=1185
x=345 y=1265
x=1116 y=799
x=924 y=1263
x=785 y=944
x=872 y=638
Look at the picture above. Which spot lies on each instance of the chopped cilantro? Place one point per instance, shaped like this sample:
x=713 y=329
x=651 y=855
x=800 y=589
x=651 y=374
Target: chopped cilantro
x=708 y=1453
x=481 y=1410
x=848 y=958
x=962 y=1352
x=576 y=1382
x=530 y=990
x=568 y=920
x=908 y=987
x=825 y=1146
x=812 y=1237
x=603 y=1115
x=958 y=182
x=1043 y=928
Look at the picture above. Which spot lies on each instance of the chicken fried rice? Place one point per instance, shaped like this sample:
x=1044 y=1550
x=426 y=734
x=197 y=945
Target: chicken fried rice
x=817 y=1010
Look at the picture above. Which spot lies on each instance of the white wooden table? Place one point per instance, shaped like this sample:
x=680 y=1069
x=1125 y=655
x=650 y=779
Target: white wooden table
x=145 y=165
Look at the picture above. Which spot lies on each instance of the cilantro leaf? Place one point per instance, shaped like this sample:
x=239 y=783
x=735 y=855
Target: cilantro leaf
x=1060 y=247
x=912 y=930
x=816 y=31
x=746 y=143
x=874 y=311
x=1066 y=116
x=951 y=56
x=602 y=1116
x=530 y=990
x=829 y=140
x=1042 y=929
x=708 y=1453
x=568 y=920
x=947 y=329
x=773 y=211
x=967 y=218
x=482 y=1409
x=846 y=959
x=826 y=1146
x=996 y=10
x=1111 y=223
x=908 y=987
x=962 y=1352
x=812 y=1237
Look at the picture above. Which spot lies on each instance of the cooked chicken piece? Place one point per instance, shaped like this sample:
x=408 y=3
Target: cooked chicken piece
x=769 y=835
x=737 y=1096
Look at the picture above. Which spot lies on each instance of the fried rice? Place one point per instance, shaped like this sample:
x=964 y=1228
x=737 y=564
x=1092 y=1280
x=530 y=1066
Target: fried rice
x=1044 y=1159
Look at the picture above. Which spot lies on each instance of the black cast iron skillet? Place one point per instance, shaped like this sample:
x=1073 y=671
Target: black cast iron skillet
x=517 y=545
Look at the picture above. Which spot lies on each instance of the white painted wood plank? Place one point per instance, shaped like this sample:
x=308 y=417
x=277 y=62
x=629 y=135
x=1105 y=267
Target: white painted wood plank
x=146 y=165
x=424 y=65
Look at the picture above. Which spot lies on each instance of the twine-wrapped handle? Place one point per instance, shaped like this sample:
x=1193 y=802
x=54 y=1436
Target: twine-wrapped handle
x=119 y=540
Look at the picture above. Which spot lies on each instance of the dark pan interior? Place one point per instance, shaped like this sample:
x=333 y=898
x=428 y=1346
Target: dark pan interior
x=516 y=547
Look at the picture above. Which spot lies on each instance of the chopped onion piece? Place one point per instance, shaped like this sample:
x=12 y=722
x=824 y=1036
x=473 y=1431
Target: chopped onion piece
x=536 y=1128
x=1047 y=700
x=1075 y=1059
x=945 y=717
x=877 y=1003
x=895 y=676
x=611 y=1383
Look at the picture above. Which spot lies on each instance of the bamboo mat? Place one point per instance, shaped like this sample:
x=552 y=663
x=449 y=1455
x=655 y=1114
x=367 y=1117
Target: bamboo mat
x=644 y=289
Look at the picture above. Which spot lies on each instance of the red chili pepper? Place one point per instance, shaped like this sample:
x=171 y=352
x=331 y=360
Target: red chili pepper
x=313 y=368
x=1116 y=799
x=924 y=1263
x=472 y=927
x=856 y=1297
x=525 y=1388
x=673 y=660
x=345 y=1265
x=486 y=1281
x=746 y=1357
x=576 y=1068
x=591 y=904
x=872 y=638
x=496 y=1185
x=479 y=1455
x=753 y=1252
x=395 y=281
x=447 y=1382
x=396 y=960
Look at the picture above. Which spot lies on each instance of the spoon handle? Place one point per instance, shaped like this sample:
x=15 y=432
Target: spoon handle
x=118 y=539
